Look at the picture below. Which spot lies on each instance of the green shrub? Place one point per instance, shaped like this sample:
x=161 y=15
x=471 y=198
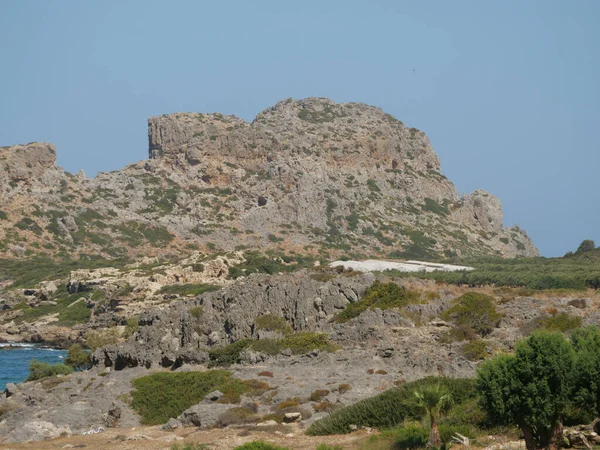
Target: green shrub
x=132 y=326
x=389 y=408
x=379 y=295
x=318 y=395
x=163 y=395
x=27 y=223
x=447 y=432
x=298 y=343
x=3 y=215
x=562 y=322
x=586 y=246
x=39 y=370
x=531 y=388
x=305 y=342
x=329 y=447
x=269 y=322
x=190 y=446
x=230 y=354
x=411 y=437
x=372 y=185
x=475 y=350
x=259 y=445
x=101 y=338
x=435 y=207
x=474 y=310
x=574 y=272
x=196 y=312
x=187 y=290
x=78 y=358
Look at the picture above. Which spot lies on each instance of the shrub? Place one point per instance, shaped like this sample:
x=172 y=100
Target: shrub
x=230 y=354
x=586 y=246
x=318 y=395
x=475 y=350
x=265 y=373
x=586 y=343
x=389 y=408
x=411 y=437
x=190 y=446
x=458 y=333
x=78 y=358
x=324 y=407
x=196 y=312
x=474 y=310
x=39 y=370
x=269 y=322
x=531 y=389
x=343 y=388
x=305 y=342
x=101 y=338
x=329 y=447
x=379 y=295
x=163 y=395
x=259 y=445
x=238 y=416
x=435 y=207
x=187 y=290
x=298 y=343
x=562 y=322
x=372 y=185
x=132 y=326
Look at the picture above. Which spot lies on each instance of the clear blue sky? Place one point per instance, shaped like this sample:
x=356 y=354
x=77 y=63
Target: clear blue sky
x=508 y=91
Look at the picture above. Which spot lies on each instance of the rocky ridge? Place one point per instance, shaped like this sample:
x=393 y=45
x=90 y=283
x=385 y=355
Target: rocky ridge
x=375 y=350
x=307 y=176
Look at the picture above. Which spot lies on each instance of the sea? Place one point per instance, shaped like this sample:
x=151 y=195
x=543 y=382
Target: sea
x=15 y=359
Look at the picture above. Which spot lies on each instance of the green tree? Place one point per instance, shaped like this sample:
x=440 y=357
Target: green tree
x=586 y=343
x=531 y=389
x=432 y=401
x=586 y=246
x=78 y=358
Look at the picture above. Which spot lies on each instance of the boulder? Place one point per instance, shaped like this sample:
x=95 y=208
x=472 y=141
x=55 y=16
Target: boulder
x=37 y=431
x=204 y=415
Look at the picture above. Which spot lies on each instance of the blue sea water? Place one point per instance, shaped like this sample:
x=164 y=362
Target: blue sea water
x=15 y=359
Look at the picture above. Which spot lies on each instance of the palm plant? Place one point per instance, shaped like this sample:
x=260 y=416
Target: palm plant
x=432 y=401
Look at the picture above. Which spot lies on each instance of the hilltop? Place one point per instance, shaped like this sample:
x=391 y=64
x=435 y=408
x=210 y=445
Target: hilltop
x=310 y=177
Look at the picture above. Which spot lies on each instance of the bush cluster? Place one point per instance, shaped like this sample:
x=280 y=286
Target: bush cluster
x=379 y=295
x=576 y=271
x=163 y=395
x=39 y=370
x=390 y=408
x=298 y=343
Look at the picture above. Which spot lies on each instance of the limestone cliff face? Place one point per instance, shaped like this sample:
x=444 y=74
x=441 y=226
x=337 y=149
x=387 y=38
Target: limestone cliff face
x=306 y=175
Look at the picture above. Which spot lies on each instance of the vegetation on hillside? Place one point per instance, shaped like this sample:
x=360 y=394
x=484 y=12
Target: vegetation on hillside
x=548 y=382
x=575 y=271
x=297 y=343
x=163 y=395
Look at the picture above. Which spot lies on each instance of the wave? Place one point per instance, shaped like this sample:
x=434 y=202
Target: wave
x=16 y=344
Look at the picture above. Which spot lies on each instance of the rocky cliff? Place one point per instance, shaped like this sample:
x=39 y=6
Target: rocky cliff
x=306 y=176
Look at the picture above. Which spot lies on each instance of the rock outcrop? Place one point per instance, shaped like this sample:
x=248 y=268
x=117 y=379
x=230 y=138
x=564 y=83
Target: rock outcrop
x=305 y=175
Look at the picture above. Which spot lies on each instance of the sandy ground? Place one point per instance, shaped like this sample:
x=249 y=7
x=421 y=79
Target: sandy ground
x=153 y=438
x=375 y=265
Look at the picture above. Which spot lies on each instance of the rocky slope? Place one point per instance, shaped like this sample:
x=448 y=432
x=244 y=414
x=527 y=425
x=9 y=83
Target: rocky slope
x=308 y=176
x=375 y=350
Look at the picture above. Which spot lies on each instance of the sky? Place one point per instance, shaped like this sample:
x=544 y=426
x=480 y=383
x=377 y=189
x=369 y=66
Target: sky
x=507 y=91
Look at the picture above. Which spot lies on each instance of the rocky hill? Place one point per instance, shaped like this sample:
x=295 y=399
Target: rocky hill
x=306 y=176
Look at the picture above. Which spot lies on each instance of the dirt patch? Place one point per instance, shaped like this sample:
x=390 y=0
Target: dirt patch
x=153 y=438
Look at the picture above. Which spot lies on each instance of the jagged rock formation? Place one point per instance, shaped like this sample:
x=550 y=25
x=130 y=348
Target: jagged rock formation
x=306 y=176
